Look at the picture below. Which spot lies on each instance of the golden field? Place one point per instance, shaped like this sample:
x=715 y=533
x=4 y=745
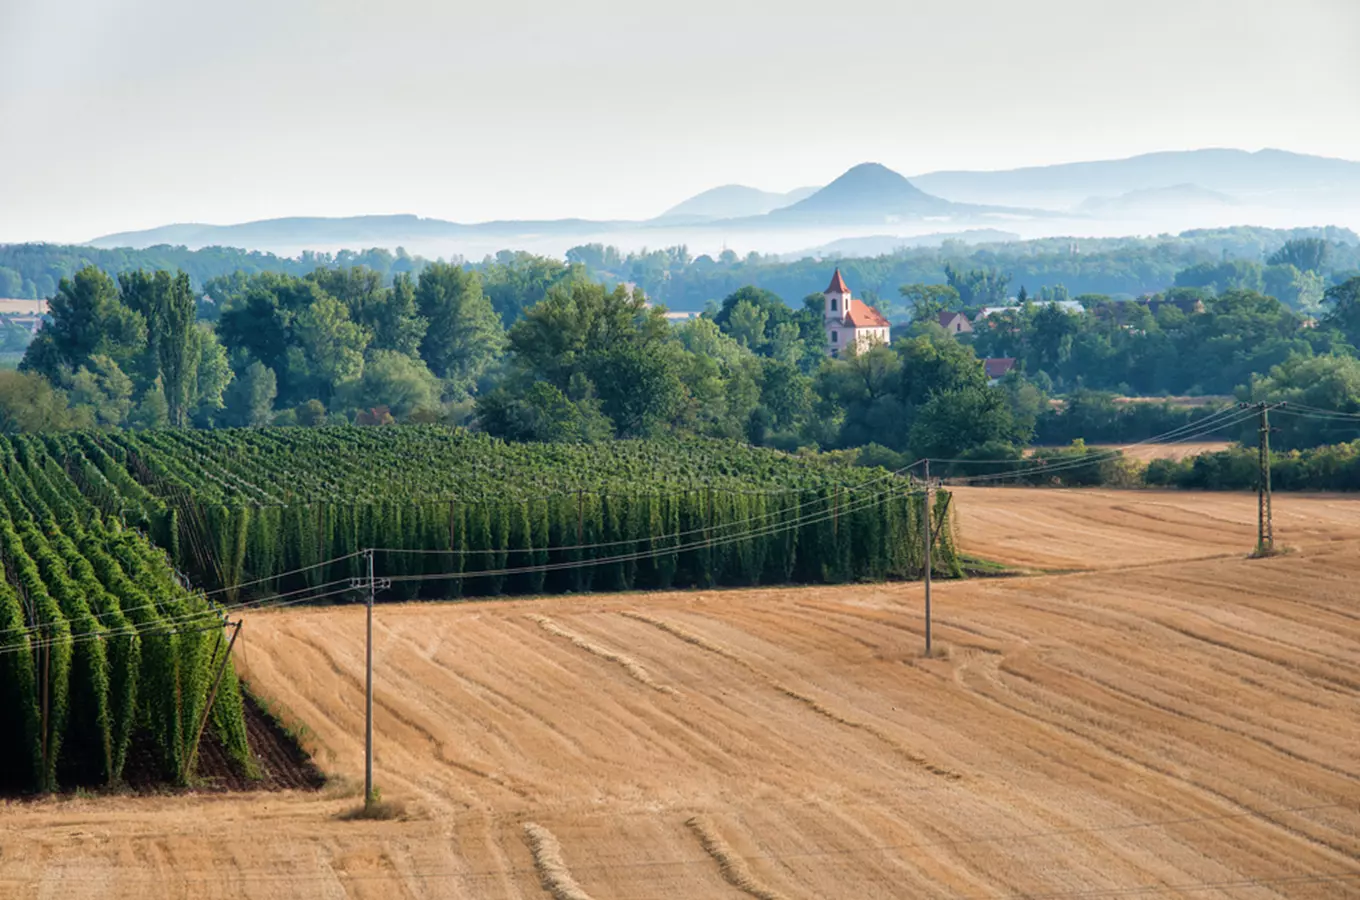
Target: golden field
x=1148 y=713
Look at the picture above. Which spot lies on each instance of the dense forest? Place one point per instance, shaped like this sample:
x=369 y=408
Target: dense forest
x=535 y=349
x=1120 y=267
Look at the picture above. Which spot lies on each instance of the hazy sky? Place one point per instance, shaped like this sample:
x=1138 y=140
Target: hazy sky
x=122 y=115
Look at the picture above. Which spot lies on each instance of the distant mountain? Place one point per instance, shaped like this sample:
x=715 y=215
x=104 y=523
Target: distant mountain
x=867 y=192
x=1265 y=176
x=731 y=201
x=1152 y=193
x=1156 y=200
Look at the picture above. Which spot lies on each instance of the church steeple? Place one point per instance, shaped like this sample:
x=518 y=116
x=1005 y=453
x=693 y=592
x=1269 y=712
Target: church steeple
x=837 y=296
x=837 y=284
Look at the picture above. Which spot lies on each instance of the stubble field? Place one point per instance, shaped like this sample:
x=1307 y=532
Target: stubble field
x=1156 y=716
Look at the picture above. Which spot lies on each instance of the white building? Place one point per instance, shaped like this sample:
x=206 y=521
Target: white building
x=850 y=322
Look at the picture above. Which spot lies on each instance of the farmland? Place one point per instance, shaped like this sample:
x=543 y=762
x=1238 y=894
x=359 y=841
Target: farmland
x=100 y=644
x=106 y=653
x=1167 y=717
x=291 y=509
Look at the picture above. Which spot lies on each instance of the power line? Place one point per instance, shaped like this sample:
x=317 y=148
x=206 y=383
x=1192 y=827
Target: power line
x=810 y=519
x=161 y=627
x=271 y=602
x=1225 y=419
x=467 y=552
x=1166 y=437
x=1045 y=467
x=797 y=522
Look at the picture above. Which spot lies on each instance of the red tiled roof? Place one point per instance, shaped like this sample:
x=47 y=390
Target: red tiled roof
x=862 y=315
x=997 y=367
x=837 y=283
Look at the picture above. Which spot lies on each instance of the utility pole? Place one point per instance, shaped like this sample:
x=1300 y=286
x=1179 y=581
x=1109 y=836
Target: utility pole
x=1265 y=525
x=372 y=585
x=928 y=564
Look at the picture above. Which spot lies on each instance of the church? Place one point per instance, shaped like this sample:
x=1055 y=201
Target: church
x=850 y=322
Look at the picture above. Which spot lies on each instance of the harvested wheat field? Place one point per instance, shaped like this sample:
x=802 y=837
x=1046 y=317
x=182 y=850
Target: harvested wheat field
x=1175 y=720
x=1149 y=452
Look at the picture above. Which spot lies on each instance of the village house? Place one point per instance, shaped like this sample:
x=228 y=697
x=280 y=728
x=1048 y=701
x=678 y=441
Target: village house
x=997 y=368
x=850 y=322
x=956 y=323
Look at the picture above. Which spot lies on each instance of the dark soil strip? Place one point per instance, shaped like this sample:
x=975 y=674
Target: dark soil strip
x=281 y=763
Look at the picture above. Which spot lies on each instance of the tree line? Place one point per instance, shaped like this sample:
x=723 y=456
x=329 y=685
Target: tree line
x=532 y=349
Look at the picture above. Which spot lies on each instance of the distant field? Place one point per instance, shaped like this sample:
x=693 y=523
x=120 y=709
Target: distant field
x=1148 y=452
x=1180 y=723
x=1197 y=401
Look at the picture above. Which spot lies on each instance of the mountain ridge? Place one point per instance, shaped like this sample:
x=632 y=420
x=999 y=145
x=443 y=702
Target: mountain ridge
x=1179 y=186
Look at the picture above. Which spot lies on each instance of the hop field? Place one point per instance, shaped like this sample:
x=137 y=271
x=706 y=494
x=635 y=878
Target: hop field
x=103 y=644
x=463 y=514
x=99 y=642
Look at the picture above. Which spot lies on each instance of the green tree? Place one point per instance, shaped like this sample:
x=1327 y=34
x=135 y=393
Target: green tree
x=465 y=335
x=104 y=390
x=956 y=420
x=1344 y=312
x=389 y=314
x=1324 y=382
x=864 y=392
x=167 y=306
x=515 y=282
x=250 y=398
x=1304 y=254
x=152 y=410
x=28 y=402
x=394 y=380
x=331 y=344
x=310 y=414
x=212 y=375
x=747 y=324
x=978 y=287
x=581 y=322
x=541 y=413
x=86 y=318
x=786 y=393
x=1228 y=275
x=640 y=391
x=770 y=328
x=927 y=301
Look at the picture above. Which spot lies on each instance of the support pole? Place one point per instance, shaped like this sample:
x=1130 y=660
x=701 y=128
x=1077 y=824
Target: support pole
x=46 y=684
x=368 y=691
x=1265 y=525
x=929 y=541
x=192 y=755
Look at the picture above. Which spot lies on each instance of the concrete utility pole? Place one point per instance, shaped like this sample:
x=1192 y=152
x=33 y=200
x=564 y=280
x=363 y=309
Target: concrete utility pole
x=372 y=585
x=928 y=548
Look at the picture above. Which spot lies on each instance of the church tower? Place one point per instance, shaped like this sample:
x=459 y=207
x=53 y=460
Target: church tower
x=837 y=299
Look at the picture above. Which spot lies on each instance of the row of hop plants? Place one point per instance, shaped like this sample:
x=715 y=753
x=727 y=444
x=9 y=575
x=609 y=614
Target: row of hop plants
x=99 y=643
x=193 y=493
x=347 y=464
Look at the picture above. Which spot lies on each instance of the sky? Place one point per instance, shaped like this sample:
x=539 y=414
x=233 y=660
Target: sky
x=126 y=115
